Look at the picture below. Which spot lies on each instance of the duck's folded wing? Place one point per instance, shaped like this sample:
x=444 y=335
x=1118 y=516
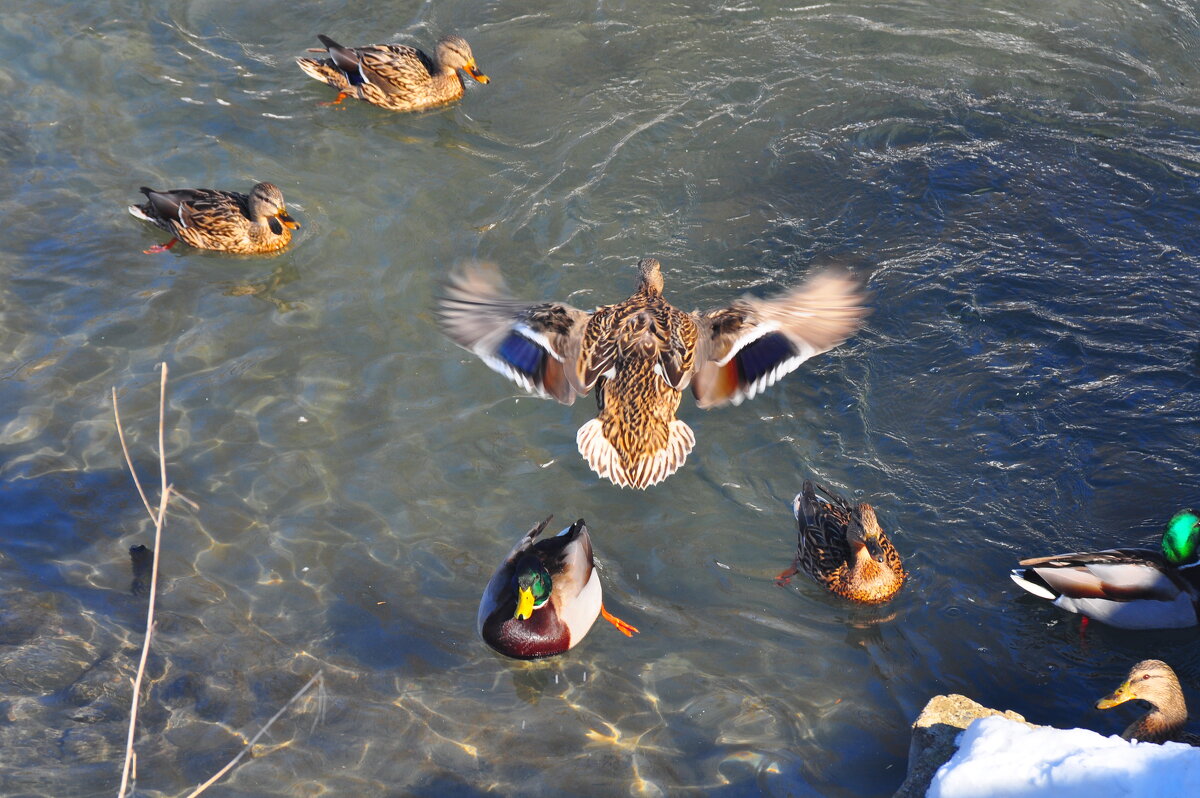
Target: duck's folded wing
x=534 y=345
x=198 y=207
x=1116 y=575
x=347 y=61
x=751 y=344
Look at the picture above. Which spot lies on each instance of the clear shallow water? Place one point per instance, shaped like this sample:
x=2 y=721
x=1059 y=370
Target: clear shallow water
x=1018 y=184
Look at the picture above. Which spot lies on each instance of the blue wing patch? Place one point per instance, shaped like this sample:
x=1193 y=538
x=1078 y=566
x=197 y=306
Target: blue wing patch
x=759 y=357
x=522 y=354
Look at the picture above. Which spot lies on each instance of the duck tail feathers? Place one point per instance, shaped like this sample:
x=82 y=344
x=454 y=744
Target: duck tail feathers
x=1021 y=577
x=647 y=470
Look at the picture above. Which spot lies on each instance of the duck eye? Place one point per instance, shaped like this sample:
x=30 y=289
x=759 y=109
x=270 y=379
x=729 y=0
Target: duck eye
x=1145 y=676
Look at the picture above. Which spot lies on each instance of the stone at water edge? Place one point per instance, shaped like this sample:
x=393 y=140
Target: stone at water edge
x=935 y=738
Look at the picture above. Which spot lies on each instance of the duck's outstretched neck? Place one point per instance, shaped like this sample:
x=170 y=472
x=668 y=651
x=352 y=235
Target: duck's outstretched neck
x=650 y=280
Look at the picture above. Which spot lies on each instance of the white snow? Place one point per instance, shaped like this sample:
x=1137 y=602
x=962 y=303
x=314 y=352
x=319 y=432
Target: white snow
x=1005 y=759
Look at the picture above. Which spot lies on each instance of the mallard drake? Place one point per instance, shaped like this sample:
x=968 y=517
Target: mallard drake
x=1126 y=588
x=395 y=76
x=545 y=596
x=641 y=354
x=843 y=548
x=228 y=221
x=1154 y=682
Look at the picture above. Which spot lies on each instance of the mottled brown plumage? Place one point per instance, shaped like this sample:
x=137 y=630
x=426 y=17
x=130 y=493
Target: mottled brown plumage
x=1154 y=682
x=228 y=221
x=395 y=76
x=843 y=548
x=641 y=353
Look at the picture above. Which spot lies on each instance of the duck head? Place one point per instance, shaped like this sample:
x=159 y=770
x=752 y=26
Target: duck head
x=650 y=279
x=1150 y=680
x=453 y=52
x=532 y=585
x=1182 y=538
x=863 y=532
x=266 y=206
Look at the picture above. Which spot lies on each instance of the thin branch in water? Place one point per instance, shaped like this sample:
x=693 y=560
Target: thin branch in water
x=162 y=452
x=159 y=519
x=129 y=461
x=318 y=680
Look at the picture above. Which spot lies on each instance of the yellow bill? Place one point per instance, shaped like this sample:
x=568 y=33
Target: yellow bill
x=1119 y=696
x=524 y=603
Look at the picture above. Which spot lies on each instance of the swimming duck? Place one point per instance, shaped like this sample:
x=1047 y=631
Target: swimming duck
x=545 y=596
x=1126 y=588
x=395 y=76
x=640 y=354
x=228 y=221
x=843 y=548
x=1154 y=682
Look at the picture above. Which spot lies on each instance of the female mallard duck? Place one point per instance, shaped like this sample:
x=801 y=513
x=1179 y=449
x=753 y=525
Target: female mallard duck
x=843 y=548
x=1153 y=681
x=228 y=221
x=545 y=596
x=641 y=354
x=1126 y=588
x=395 y=76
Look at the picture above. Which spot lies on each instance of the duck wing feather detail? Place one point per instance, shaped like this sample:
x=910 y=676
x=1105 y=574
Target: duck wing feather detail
x=750 y=344
x=536 y=345
x=1114 y=574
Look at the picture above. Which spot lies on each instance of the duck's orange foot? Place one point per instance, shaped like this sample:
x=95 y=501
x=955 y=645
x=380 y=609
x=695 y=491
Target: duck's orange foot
x=336 y=100
x=786 y=576
x=626 y=629
x=157 y=248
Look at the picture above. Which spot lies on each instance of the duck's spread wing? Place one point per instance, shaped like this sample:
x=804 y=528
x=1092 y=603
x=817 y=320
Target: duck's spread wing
x=534 y=345
x=752 y=343
x=1116 y=575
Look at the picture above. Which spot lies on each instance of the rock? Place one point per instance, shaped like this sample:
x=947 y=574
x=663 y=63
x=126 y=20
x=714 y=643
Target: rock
x=935 y=738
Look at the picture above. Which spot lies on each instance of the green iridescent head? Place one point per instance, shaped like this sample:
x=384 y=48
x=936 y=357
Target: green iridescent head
x=1182 y=538
x=532 y=585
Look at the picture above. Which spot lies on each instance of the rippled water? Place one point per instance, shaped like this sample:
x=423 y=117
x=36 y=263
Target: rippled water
x=1017 y=180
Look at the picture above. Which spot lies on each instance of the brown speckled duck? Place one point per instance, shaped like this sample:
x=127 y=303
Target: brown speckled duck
x=1154 y=682
x=228 y=221
x=395 y=76
x=640 y=354
x=843 y=548
x=545 y=596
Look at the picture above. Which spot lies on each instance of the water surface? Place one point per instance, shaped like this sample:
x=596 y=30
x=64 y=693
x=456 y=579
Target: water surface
x=1016 y=182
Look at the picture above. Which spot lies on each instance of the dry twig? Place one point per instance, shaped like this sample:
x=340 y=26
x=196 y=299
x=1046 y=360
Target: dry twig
x=158 y=518
x=317 y=680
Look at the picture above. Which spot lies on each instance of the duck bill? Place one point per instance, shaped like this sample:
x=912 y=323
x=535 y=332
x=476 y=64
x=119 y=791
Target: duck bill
x=474 y=72
x=288 y=221
x=874 y=549
x=524 y=604
x=1119 y=696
